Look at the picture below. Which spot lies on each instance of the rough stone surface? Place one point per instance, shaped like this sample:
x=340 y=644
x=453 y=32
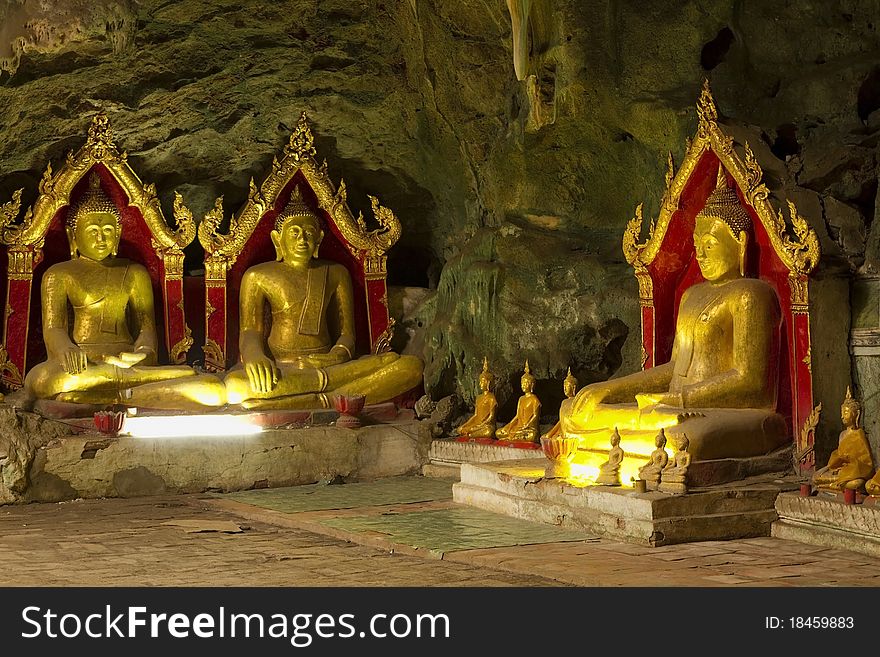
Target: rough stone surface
x=513 y=184
x=43 y=464
x=517 y=488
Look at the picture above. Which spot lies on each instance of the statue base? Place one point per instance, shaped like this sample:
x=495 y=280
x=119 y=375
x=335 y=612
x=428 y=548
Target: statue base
x=48 y=460
x=826 y=520
x=519 y=489
x=446 y=456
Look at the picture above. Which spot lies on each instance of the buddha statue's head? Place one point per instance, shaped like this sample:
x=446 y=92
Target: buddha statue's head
x=297 y=234
x=721 y=234
x=569 y=385
x=850 y=411
x=682 y=443
x=615 y=438
x=527 y=382
x=93 y=224
x=487 y=379
x=660 y=439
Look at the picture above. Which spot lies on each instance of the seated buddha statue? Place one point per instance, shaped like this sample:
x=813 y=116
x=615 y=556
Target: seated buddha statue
x=309 y=352
x=721 y=380
x=851 y=464
x=482 y=423
x=673 y=478
x=609 y=472
x=108 y=354
x=650 y=472
x=569 y=388
x=524 y=426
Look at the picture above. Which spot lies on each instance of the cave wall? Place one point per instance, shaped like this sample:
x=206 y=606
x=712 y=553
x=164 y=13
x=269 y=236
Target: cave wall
x=513 y=139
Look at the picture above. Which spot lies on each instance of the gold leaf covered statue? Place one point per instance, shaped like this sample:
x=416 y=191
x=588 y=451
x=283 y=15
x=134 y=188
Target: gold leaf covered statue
x=524 y=427
x=650 y=472
x=569 y=387
x=482 y=423
x=850 y=465
x=309 y=352
x=108 y=354
x=872 y=486
x=673 y=478
x=609 y=472
x=723 y=374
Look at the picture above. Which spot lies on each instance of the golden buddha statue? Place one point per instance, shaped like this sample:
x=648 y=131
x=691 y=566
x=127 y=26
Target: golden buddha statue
x=850 y=465
x=569 y=388
x=310 y=346
x=673 y=478
x=723 y=374
x=650 y=472
x=525 y=425
x=108 y=355
x=609 y=472
x=482 y=423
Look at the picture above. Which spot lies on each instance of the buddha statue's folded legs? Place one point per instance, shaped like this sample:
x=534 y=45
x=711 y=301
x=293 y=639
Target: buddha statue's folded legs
x=714 y=433
x=171 y=387
x=380 y=377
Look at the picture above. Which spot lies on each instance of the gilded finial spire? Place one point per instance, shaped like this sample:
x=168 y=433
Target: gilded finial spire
x=485 y=364
x=526 y=370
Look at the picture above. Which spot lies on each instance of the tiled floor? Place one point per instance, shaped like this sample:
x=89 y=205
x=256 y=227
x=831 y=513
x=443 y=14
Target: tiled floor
x=351 y=535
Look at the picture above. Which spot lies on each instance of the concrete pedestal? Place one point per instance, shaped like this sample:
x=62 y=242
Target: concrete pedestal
x=447 y=456
x=827 y=521
x=519 y=489
x=44 y=460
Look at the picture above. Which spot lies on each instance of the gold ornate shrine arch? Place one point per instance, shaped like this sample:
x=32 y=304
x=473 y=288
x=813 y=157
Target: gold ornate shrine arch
x=347 y=240
x=39 y=241
x=664 y=263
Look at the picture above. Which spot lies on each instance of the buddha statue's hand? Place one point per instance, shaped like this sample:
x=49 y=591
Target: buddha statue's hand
x=125 y=359
x=588 y=398
x=262 y=374
x=649 y=399
x=321 y=360
x=74 y=360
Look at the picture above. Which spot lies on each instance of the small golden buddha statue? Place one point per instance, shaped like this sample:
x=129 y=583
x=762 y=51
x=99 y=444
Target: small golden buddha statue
x=309 y=352
x=524 y=427
x=482 y=423
x=872 y=486
x=569 y=387
x=673 y=478
x=723 y=374
x=609 y=472
x=850 y=465
x=650 y=472
x=108 y=354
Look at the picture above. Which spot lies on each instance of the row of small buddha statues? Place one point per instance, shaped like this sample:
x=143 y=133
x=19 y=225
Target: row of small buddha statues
x=525 y=425
x=108 y=353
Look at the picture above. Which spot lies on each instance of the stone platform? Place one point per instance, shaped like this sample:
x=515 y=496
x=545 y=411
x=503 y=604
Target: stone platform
x=446 y=456
x=50 y=460
x=519 y=489
x=827 y=521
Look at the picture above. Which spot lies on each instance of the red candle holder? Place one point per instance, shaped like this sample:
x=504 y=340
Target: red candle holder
x=806 y=490
x=849 y=496
x=109 y=422
x=349 y=406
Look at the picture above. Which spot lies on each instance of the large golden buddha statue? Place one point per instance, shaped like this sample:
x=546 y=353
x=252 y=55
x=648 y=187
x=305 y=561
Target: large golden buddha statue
x=721 y=381
x=309 y=352
x=109 y=353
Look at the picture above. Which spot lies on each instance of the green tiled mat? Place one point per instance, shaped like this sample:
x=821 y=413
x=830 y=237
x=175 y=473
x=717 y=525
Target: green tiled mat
x=323 y=497
x=445 y=530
